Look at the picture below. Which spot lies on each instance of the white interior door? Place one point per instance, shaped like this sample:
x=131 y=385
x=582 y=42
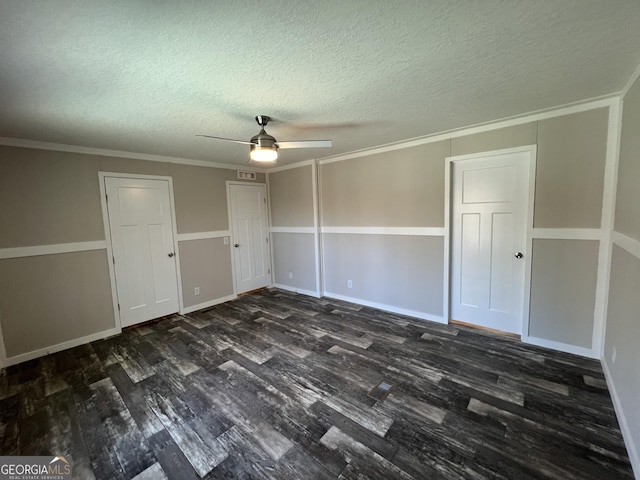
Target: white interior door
x=252 y=257
x=140 y=222
x=489 y=235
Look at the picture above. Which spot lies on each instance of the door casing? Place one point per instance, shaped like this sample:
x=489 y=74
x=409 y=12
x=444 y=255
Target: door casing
x=231 y=230
x=532 y=151
x=107 y=232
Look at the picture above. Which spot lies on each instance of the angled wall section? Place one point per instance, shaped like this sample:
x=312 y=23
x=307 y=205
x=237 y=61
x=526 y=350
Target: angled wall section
x=620 y=358
x=294 y=232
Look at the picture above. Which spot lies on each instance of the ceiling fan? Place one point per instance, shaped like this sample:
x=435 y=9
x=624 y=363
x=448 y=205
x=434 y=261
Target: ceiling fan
x=264 y=147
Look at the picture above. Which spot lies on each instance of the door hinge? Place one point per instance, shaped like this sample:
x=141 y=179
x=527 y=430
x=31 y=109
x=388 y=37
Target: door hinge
x=106 y=197
x=267 y=239
x=269 y=271
x=118 y=307
x=265 y=199
x=114 y=260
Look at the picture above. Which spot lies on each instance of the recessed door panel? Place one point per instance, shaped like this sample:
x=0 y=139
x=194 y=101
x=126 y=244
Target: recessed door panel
x=242 y=236
x=488 y=185
x=132 y=257
x=501 y=269
x=470 y=287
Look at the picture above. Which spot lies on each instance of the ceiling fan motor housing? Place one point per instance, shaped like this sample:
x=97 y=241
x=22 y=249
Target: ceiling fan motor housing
x=264 y=140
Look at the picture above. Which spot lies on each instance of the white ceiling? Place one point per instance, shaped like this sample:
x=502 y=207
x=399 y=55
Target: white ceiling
x=145 y=76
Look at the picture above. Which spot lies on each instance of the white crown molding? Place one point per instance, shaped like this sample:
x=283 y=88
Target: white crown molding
x=60 y=147
x=591 y=104
x=186 y=237
x=576 y=107
x=53 y=249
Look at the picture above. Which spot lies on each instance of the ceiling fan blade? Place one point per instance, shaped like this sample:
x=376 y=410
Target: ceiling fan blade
x=226 y=139
x=305 y=144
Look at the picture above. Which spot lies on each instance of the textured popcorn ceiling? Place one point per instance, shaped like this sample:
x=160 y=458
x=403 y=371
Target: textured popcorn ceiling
x=145 y=76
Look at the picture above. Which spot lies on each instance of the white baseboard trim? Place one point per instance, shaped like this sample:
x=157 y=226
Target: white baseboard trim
x=211 y=303
x=301 y=291
x=387 y=308
x=632 y=448
x=41 y=352
x=562 y=347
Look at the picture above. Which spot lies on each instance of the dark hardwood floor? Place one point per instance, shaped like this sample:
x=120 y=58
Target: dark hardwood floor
x=276 y=386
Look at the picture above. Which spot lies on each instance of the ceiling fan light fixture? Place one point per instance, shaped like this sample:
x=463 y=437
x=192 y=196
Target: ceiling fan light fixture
x=263 y=153
x=264 y=147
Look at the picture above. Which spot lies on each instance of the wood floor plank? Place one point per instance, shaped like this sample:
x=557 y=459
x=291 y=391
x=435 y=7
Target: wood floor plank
x=275 y=385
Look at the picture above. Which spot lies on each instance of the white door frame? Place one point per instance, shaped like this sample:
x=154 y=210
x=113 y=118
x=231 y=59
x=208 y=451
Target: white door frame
x=107 y=236
x=448 y=178
x=232 y=240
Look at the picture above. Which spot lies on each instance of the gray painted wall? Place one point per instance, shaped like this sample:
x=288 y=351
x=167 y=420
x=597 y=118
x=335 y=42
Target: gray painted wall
x=295 y=253
x=52 y=197
x=570 y=171
x=51 y=299
x=402 y=271
x=405 y=188
x=401 y=188
x=509 y=137
x=291 y=193
x=627 y=219
x=205 y=264
x=623 y=315
x=563 y=289
x=292 y=205
x=623 y=335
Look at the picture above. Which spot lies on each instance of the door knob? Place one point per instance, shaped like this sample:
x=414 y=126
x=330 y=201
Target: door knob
x=171 y=254
x=519 y=255
x=237 y=245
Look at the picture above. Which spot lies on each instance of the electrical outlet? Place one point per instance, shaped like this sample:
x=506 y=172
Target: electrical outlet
x=349 y=284
x=196 y=291
x=613 y=355
x=290 y=274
